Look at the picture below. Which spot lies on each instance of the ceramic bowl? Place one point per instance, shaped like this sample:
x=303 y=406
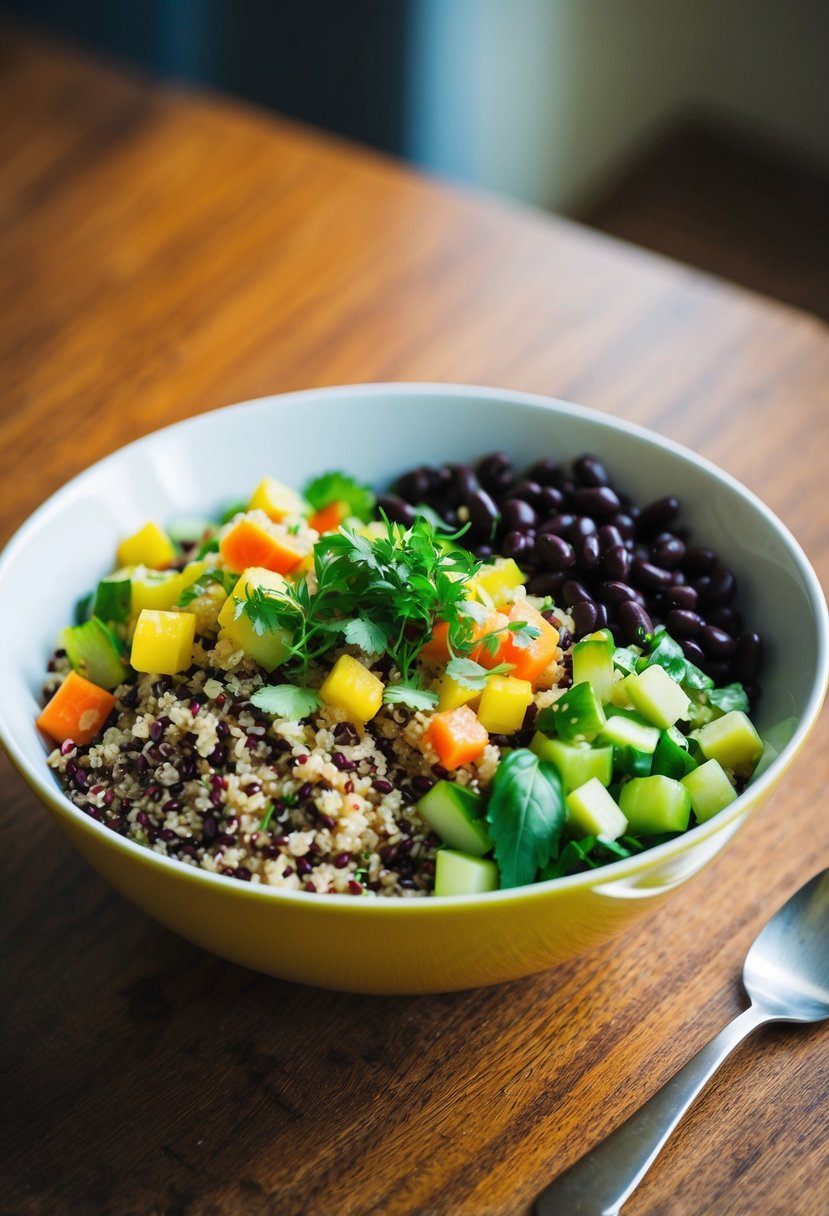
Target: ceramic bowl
x=376 y=432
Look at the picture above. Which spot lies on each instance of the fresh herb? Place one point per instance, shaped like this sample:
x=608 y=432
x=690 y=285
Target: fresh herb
x=526 y=815
x=339 y=487
x=625 y=659
x=415 y=698
x=263 y=609
x=472 y=675
x=587 y=854
x=209 y=546
x=263 y=826
x=667 y=653
x=225 y=578
x=287 y=701
x=360 y=631
x=731 y=696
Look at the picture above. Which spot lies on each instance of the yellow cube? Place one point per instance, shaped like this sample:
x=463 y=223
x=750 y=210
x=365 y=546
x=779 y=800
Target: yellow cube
x=149 y=546
x=162 y=589
x=352 y=688
x=268 y=649
x=493 y=583
x=163 y=641
x=452 y=694
x=276 y=500
x=504 y=703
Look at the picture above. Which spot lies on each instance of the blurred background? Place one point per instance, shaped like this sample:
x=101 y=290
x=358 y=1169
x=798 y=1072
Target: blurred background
x=697 y=128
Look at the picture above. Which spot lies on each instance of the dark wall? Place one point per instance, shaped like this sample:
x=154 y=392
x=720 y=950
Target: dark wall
x=339 y=64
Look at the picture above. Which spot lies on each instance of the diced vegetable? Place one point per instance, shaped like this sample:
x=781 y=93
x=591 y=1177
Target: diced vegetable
x=77 y=711
x=354 y=689
x=671 y=758
x=529 y=657
x=270 y=647
x=149 y=546
x=329 y=518
x=162 y=589
x=249 y=544
x=459 y=874
x=592 y=812
x=625 y=728
x=733 y=741
x=494 y=582
x=653 y=805
x=710 y=789
x=451 y=693
x=504 y=703
x=95 y=652
x=163 y=641
x=576 y=762
x=457 y=736
x=113 y=597
x=458 y=816
x=593 y=662
x=575 y=715
x=657 y=697
x=276 y=500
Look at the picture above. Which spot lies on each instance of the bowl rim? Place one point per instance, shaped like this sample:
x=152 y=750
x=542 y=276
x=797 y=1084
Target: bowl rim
x=50 y=793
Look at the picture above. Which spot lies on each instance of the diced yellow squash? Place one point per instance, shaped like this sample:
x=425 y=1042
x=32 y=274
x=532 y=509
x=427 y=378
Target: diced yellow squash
x=375 y=530
x=497 y=581
x=162 y=588
x=163 y=641
x=149 y=546
x=352 y=688
x=276 y=500
x=268 y=649
x=452 y=694
x=504 y=703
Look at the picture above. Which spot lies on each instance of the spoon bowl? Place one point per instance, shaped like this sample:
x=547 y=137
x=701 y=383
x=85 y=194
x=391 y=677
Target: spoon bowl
x=786 y=971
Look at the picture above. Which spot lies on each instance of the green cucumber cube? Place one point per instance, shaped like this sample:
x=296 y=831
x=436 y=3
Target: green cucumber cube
x=709 y=788
x=653 y=805
x=578 y=714
x=459 y=874
x=672 y=758
x=593 y=663
x=733 y=741
x=576 y=762
x=625 y=728
x=592 y=812
x=94 y=652
x=457 y=815
x=657 y=697
x=113 y=598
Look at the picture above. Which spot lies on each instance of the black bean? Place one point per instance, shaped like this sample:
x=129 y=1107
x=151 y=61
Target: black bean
x=657 y=515
x=585 y=616
x=547 y=584
x=718 y=670
x=529 y=491
x=727 y=618
x=681 y=623
x=616 y=593
x=516 y=545
x=716 y=643
x=667 y=552
x=590 y=471
x=554 y=551
x=518 y=515
x=681 y=597
x=609 y=537
x=397 y=509
x=747 y=657
x=589 y=552
x=651 y=578
x=617 y=562
x=692 y=652
x=558 y=525
x=575 y=593
x=550 y=500
x=463 y=483
x=495 y=472
x=547 y=471
x=483 y=552
x=582 y=526
x=483 y=512
x=716 y=589
x=414 y=486
x=599 y=502
x=635 y=621
x=624 y=523
x=698 y=560
x=346 y=733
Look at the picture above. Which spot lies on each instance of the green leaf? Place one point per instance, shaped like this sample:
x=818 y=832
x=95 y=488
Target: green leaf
x=526 y=815
x=339 y=487
x=368 y=635
x=667 y=653
x=415 y=698
x=265 y=610
x=523 y=633
x=287 y=701
x=263 y=826
x=731 y=696
x=209 y=546
x=472 y=675
x=225 y=578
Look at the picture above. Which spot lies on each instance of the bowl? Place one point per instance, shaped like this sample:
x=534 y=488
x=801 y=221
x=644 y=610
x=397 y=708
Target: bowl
x=376 y=432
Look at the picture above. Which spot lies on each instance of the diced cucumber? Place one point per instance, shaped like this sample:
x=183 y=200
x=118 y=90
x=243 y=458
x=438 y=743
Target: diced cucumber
x=657 y=697
x=95 y=652
x=592 y=812
x=459 y=874
x=671 y=758
x=189 y=529
x=456 y=814
x=593 y=663
x=626 y=728
x=578 y=714
x=733 y=741
x=709 y=788
x=576 y=762
x=113 y=598
x=653 y=805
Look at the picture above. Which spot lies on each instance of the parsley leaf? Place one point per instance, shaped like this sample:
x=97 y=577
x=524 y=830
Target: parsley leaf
x=263 y=610
x=526 y=815
x=731 y=696
x=470 y=674
x=415 y=698
x=225 y=578
x=339 y=487
x=287 y=701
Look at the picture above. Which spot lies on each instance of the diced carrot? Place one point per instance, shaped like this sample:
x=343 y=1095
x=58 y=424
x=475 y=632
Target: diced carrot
x=329 y=518
x=437 y=647
x=529 y=661
x=77 y=711
x=492 y=625
x=248 y=544
x=457 y=736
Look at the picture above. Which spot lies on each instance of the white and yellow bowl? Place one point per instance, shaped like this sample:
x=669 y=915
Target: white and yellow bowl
x=376 y=432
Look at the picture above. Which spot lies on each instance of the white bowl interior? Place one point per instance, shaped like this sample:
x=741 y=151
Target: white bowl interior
x=374 y=433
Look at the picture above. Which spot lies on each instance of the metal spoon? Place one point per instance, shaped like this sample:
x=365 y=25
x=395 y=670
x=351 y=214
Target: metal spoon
x=786 y=975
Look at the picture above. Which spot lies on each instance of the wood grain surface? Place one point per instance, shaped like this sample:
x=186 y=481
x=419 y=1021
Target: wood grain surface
x=163 y=254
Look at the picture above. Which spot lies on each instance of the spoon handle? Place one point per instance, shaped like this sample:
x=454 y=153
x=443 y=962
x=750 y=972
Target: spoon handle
x=600 y=1182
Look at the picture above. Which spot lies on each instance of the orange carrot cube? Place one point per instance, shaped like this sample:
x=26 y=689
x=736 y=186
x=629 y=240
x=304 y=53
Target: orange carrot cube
x=249 y=544
x=77 y=711
x=457 y=737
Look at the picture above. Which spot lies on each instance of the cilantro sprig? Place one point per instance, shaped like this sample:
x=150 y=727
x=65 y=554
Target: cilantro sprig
x=339 y=487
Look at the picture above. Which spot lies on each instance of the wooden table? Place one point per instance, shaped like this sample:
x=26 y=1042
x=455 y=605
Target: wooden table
x=164 y=254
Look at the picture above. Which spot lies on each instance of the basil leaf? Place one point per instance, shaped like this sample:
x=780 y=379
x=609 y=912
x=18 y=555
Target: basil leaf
x=731 y=696
x=526 y=815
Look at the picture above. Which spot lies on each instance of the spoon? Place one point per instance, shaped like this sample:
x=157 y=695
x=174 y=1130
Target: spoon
x=786 y=975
